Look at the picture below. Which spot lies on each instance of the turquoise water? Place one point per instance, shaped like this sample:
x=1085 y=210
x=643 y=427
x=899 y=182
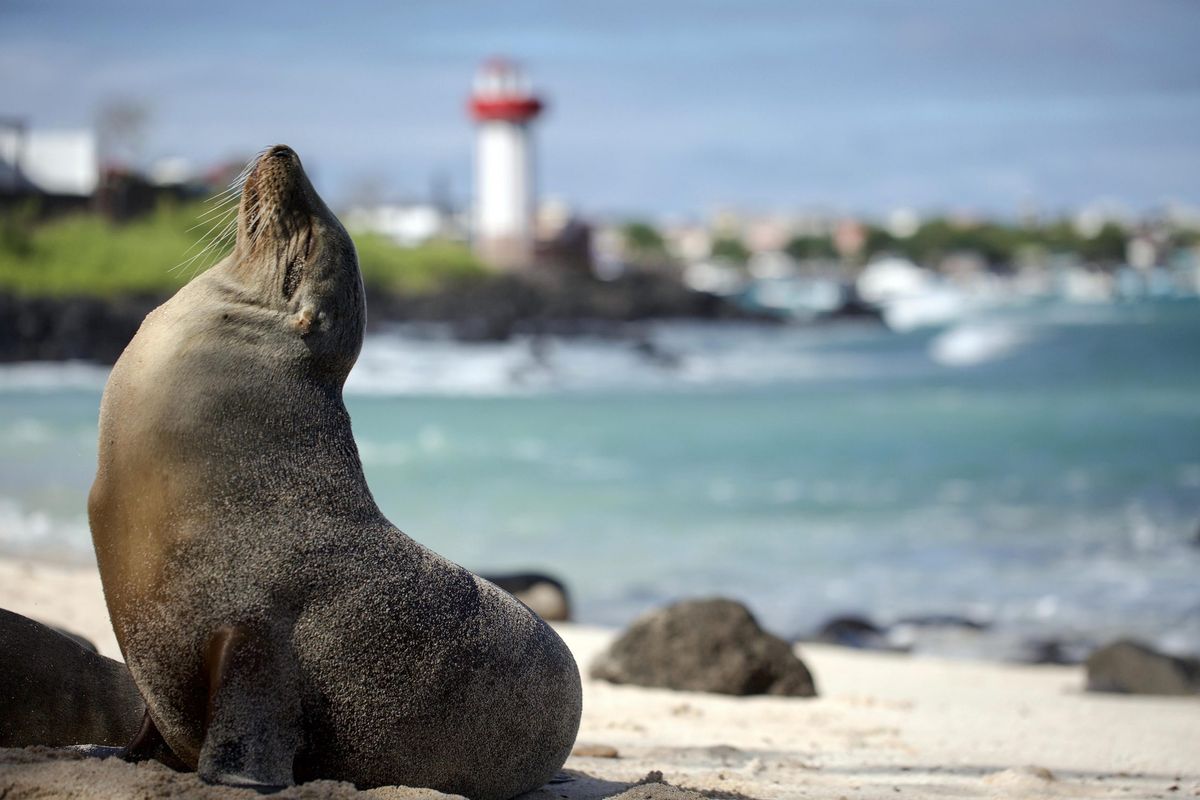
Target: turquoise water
x=1038 y=469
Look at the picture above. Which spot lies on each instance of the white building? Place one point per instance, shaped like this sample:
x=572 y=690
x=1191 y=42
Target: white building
x=63 y=162
x=503 y=107
x=407 y=225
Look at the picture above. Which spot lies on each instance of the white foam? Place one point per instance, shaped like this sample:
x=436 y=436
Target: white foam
x=50 y=376
x=969 y=344
x=671 y=356
x=665 y=356
x=37 y=531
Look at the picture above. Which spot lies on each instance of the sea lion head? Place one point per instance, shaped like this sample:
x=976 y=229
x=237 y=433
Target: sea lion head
x=292 y=255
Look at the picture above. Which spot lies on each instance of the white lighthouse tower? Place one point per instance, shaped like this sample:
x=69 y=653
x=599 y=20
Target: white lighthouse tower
x=503 y=106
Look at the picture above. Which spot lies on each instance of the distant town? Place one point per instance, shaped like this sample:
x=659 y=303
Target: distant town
x=907 y=268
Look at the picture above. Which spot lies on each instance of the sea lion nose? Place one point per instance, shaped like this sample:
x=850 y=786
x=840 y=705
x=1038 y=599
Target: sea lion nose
x=281 y=151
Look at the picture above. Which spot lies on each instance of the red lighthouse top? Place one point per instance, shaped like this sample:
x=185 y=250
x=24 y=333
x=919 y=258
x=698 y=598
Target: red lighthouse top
x=502 y=94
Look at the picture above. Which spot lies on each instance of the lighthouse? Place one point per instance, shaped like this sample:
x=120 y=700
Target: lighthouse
x=504 y=107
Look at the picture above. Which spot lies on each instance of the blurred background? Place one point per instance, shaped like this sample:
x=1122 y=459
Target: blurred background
x=875 y=314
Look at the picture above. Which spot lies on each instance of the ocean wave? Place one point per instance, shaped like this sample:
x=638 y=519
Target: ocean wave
x=37 y=532
x=969 y=344
x=663 y=357
x=52 y=376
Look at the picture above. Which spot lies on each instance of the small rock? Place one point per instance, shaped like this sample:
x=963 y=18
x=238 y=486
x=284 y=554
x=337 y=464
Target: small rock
x=1133 y=668
x=943 y=621
x=595 y=751
x=852 y=631
x=546 y=596
x=712 y=645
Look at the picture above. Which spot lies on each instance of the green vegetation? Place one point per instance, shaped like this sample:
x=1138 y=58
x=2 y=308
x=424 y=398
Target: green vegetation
x=803 y=248
x=999 y=244
x=730 y=249
x=413 y=270
x=643 y=241
x=86 y=254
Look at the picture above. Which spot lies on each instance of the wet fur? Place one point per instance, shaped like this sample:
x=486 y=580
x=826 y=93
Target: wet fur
x=278 y=626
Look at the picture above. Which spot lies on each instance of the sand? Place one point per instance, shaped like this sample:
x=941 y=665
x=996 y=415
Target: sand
x=885 y=725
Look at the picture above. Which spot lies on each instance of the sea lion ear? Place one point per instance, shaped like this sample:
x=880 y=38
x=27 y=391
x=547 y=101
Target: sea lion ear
x=304 y=319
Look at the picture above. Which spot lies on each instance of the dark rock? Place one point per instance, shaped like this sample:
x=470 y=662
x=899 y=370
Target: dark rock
x=1133 y=668
x=491 y=308
x=1054 y=651
x=546 y=302
x=943 y=621
x=853 y=307
x=712 y=645
x=69 y=328
x=852 y=631
x=546 y=596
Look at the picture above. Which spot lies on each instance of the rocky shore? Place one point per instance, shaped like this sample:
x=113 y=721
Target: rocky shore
x=69 y=328
x=491 y=309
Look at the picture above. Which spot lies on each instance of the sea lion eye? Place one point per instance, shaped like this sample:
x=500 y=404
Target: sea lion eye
x=291 y=277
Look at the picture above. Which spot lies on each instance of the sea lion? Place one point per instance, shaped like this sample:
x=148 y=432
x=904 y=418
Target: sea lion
x=278 y=626
x=55 y=692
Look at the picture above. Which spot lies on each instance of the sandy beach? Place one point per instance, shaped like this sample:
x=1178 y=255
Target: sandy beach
x=884 y=725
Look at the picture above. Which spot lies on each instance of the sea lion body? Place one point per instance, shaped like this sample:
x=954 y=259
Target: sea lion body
x=278 y=626
x=56 y=692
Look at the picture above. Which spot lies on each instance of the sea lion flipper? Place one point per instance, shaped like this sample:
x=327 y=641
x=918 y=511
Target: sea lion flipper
x=252 y=731
x=148 y=745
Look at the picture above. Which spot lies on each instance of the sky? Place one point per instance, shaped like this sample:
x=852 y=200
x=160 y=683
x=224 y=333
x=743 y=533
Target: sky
x=678 y=107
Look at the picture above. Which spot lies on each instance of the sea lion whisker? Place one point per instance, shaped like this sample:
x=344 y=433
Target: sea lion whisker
x=196 y=260
x=257 y=227
x=234 y=188
x=225 y=193
x=214 y=241
x=246 y=170
x=208 y=240
x=223 y=200
x=215 y=223
x=227 y=233
x=222 y=243
x=208 y=249
x=217 y=213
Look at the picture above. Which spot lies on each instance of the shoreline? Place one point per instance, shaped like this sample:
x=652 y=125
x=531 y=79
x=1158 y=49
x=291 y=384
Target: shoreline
x=948 y=637
x=951 y=636
x=492 y=308
x=883 y=724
